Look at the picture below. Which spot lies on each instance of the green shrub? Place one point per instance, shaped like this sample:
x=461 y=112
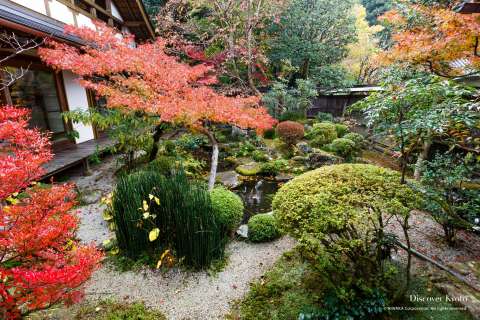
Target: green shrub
x=340 y=214
x=341 y=129
x=269 y=134
x=290 y=132
x=274 y=167
x=262 y=228
x=342 y=147
x=322 y=133
x=325 y=117
x=169 y=146
x=259 y=156
x=110 y=310
x=184 y=217
x=245 y=149
x=228 y=207
x=357 y=138
x=292 y=116
x=162 y=164
x=191 y=142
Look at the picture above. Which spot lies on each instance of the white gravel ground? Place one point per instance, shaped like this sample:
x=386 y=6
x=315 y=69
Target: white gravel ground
x=177 y=293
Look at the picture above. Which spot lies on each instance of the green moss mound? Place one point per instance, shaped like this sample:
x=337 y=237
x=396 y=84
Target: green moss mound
x=357 y=138
x=341 y=129
x=249 y=169
x=263 y=228
x=228 y=207
x=322 y=134
x=328 y=199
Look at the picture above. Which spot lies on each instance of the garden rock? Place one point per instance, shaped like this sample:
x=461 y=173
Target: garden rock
x=283 y=177
x=92 y=197
x=300 y=159
x=249 y=169
x=243 y=231
x=321 y=158
x=304 y=148
x=229 y=179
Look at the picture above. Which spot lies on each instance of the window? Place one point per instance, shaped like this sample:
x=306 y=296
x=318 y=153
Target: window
x=37 y=90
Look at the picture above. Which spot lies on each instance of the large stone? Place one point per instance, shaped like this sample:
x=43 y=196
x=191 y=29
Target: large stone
x=229 y=179
x=243 y=231
x=304 y=148
x=321 y=158
x=284 y=177
x=249 y=169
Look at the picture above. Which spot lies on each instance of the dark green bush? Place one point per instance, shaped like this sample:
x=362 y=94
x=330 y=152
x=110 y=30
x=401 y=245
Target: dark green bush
x=269 y=134
x=169 y=146
x=322 y=133
x=341 y=129
x=325 y=117
x=184 y=217
x=292 y=116
x=162 y=164
x=191 y=142
x=342 y=147
x=262 y=228
x=228 y=207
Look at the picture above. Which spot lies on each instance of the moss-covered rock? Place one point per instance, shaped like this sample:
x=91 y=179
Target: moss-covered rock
x=249 y=169
x=320 y=158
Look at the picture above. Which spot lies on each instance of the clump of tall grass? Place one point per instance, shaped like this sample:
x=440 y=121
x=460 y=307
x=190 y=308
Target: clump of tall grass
x=184 y=216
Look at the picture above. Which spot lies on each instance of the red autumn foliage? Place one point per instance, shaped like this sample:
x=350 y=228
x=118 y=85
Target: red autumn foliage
x=145 y=78
x=290 y=132
x=40 y=264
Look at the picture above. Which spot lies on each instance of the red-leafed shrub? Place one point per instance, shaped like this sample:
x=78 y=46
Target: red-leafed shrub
x=40 y=263
x=290 y=132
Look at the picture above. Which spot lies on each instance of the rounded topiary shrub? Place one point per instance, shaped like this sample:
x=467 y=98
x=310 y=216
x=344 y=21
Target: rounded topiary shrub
x=341 y=129
x=262 y=228
x=329 y=199
x=322 y=133
x=343 y=147
x=357 y=138
x=290 y=132
x=228 y=207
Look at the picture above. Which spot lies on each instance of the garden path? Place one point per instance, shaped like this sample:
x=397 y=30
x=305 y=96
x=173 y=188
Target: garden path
x=179 y=294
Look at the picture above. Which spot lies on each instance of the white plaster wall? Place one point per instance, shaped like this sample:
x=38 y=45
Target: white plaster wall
x=77 y=100
x=36 y=5
x=115 y=12
x=60 y=12
x=84 y=21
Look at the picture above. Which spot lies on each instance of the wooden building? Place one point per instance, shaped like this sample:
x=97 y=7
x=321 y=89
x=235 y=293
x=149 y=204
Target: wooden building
x=46 y=92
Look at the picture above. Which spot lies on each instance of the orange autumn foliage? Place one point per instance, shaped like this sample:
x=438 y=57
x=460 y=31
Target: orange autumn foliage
x=433 y=37
x=144 y=78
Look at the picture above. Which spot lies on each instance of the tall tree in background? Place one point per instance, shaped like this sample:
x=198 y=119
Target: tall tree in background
x=312 y=35
x=359 y=63
x=434 y=38
x=144 y=78
x=376 y=8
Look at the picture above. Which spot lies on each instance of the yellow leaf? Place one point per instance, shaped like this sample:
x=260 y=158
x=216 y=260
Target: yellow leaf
x=150 y=196
x=146 y=215
x=153 y=235
x=114 y=251
x=157 y=201
x=159 y=264
x=145 y=205
x=106 y=242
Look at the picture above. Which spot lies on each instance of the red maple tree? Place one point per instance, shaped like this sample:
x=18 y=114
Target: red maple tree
x=40 y=263
x=143 y=77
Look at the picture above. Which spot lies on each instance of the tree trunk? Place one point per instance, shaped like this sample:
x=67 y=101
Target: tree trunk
x=156 y=138
x=422 y=157
x=213 y=168
x=251 y=83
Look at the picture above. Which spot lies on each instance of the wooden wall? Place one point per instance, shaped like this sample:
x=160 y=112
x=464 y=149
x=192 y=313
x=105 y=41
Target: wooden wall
x=334 y=104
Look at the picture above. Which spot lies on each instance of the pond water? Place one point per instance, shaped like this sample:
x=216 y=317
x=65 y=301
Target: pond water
x=257 y=196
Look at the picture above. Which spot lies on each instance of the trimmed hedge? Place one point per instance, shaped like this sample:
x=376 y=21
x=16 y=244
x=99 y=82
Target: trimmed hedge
x=342 y=147
x=322 y=133
x=228 y=207
x=341 y=129
x=328 y=199
x=290 y=132
x=263 y=228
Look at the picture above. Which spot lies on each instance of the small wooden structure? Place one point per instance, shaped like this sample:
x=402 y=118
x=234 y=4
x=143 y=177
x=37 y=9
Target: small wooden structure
x=336 y=101
x=75 y=155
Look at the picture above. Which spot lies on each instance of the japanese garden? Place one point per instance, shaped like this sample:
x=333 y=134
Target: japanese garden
x=240 y=159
